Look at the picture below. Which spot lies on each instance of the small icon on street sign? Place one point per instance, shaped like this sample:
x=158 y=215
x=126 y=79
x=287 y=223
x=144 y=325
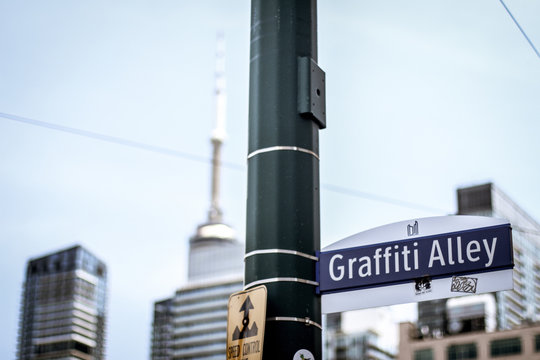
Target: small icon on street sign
x=412 y=229
x=245 y=324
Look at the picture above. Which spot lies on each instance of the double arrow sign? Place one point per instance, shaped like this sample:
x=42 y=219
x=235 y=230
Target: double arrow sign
x=246 y=332
x=245 y=324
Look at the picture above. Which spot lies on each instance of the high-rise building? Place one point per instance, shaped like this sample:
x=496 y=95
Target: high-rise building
x=471 y=314
x=432 y=318
x=199 y=309
x=358 y=345
x=514 y=307
x=63 y=307
x=193 y=323
x=200 y=319
x=361 y=345
x=197 y=313
x=522 y=304
x=162 y=330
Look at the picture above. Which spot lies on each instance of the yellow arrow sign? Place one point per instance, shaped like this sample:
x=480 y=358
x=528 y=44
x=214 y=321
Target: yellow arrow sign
x=245 y=324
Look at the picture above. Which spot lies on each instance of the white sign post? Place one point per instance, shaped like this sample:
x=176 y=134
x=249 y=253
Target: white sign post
x=417 y=260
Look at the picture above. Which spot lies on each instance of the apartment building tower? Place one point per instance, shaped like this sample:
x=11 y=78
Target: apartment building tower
x=63 y=307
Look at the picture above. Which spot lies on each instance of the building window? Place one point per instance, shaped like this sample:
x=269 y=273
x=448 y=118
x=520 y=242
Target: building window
x=537 y=343
x=423 y=354
x=504 y=347
x=462 y=351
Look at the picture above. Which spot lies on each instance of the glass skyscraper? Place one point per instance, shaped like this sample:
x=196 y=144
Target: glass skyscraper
x=514 y=307
x=162 y=330
x=63 y=307
x=522 y=304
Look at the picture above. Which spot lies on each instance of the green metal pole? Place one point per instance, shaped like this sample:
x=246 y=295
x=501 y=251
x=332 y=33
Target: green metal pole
x=286 y=111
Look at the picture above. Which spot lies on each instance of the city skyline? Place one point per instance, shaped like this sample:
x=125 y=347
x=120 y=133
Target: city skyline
x=422 y=99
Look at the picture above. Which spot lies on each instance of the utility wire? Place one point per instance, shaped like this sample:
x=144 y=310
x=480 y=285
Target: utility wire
x=520 y=28
x=202 y=159
x=116 y=140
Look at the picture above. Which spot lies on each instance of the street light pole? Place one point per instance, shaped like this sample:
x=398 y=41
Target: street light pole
x=286 y=111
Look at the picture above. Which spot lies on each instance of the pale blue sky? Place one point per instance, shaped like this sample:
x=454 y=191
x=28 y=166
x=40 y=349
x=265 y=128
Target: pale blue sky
x=422 y=97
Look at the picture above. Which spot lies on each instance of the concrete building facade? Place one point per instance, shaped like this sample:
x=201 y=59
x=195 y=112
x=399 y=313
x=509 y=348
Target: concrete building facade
x=358 y=346
x=515 y=344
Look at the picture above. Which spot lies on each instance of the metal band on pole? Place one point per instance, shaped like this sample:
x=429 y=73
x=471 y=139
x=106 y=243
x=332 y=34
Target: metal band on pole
x=306 y=321
x=280 y=251
x=280 y=279
x=283 y=148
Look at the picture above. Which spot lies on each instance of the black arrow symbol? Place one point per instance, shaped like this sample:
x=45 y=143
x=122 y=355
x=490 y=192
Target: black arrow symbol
x=246 y=306
x=245 y=332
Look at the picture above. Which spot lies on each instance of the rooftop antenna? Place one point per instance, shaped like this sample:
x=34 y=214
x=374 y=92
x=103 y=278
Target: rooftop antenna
x=218 y=134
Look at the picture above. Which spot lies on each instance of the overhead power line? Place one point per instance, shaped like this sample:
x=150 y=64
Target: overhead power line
x=116 y=140
x=520 y=28
x=202 y=159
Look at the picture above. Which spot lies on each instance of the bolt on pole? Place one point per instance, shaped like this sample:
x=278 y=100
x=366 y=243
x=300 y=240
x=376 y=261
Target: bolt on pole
x=286 y=112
